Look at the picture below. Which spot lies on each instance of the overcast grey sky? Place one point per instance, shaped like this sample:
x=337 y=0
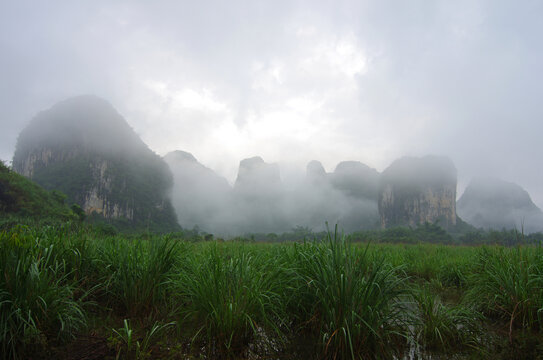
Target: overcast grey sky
x=292 y=81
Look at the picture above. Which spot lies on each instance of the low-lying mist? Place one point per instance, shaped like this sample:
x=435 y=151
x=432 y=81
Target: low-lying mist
x=261 y=202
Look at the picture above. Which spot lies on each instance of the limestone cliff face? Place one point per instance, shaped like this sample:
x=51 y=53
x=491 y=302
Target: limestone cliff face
x=84 y=148
x=91 y=198
x=417 y=190
x=97 y=198
x=40 y=157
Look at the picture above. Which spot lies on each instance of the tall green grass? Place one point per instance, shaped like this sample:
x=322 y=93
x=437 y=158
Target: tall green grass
x=230 y=297
x=139 y=272
x=37 y=302
x=448 y=264
x=507 y=284
x=129 y=346
x=357 y=306
x=445 y=327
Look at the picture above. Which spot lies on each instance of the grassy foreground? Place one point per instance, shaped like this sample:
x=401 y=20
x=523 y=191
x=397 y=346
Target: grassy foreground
x=67 y=292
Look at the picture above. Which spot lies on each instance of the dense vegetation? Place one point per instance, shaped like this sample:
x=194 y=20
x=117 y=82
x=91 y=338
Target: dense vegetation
x=424 y=233
x=70 y=292
x=23 y=199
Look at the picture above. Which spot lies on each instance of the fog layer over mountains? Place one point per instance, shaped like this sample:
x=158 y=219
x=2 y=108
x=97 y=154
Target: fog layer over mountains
x=292 y=81
x=260 y=201
x=83 y=147
x=494 y=203
x=409 y=192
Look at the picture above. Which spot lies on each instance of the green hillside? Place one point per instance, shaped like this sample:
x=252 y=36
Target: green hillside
x=22 y=198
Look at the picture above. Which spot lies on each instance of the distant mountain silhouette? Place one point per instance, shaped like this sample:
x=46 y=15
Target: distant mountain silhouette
x=494 y=203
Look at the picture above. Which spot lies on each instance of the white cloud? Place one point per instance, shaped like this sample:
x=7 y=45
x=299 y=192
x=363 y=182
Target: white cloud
x=366 y=81
x=200 y=100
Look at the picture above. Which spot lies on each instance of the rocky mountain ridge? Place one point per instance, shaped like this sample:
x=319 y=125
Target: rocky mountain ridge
x=413 y=191
x=84 y=148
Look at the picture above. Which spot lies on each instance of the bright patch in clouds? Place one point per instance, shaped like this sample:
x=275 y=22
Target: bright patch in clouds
x=187 y=98
x=336 y=55
x=267 y=78
x=296 y=101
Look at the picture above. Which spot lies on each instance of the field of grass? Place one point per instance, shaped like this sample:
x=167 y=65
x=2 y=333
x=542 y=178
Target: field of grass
x=69 y=292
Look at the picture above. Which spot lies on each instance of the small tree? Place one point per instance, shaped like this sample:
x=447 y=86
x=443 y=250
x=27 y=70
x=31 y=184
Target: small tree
x=79 y=212
x=59 y=196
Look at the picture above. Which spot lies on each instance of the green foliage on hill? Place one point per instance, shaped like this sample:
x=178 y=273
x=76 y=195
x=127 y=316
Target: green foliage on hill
x=21 y=198
x=72 y=177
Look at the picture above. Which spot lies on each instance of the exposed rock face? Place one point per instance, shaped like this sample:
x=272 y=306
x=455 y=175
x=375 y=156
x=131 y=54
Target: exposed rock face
x=84 y=148
x=200 y=196
x=417 y=190
x=95 y=201
x=493 y=203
